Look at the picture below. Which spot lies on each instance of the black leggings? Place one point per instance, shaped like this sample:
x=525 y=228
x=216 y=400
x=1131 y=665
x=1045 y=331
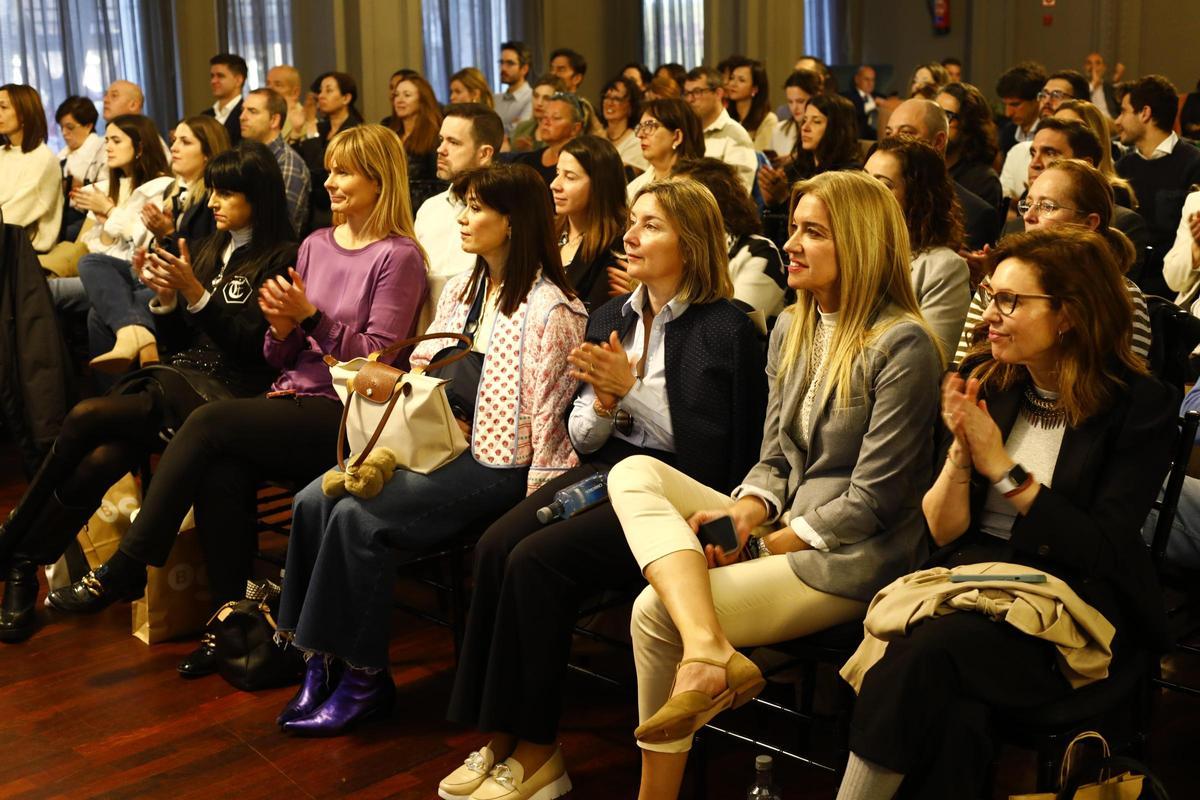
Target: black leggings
x=215 y=463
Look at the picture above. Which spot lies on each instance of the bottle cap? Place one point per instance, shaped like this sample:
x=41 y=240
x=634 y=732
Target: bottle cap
x=762 y=763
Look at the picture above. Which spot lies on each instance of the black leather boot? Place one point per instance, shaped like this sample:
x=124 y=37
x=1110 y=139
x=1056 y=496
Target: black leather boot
x=17 y=611
x=24 y=517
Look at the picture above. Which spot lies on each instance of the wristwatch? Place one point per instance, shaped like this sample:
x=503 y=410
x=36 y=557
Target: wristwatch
x=1014 y=482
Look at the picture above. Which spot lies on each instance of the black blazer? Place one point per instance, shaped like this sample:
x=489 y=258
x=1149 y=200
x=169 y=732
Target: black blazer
x=716 y=386
x=980 y=220
x=233 y=122
x=1086 y=529
x=865 y=131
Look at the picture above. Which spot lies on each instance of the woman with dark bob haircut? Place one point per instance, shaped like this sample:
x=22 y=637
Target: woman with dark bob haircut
x=698 y=388
x=669 y=131
x=211 y=332
x=337 y=597
x=1054 y=445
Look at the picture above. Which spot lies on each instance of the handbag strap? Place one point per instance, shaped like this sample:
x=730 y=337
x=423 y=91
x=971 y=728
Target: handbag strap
x=387 y=413
x=1068 y=754
x=1117 y=764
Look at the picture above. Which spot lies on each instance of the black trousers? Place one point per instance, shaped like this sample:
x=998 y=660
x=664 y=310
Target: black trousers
x=529 y=582
x=925 y=708
x=215 y=463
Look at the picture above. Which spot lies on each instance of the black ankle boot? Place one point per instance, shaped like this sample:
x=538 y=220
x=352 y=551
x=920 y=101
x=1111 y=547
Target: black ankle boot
x=17 y=612
x=24 y=517
x=98 y=590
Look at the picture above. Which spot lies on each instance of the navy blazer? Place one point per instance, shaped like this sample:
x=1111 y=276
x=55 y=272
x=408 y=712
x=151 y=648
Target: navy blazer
x=232 y=123
x=1086 y=528
x=716 y=386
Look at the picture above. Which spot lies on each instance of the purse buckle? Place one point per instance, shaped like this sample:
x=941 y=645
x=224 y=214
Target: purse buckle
x=376 y=382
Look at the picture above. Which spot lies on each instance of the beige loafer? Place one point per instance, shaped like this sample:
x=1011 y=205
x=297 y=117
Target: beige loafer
x=461 y=784
x=508 y=781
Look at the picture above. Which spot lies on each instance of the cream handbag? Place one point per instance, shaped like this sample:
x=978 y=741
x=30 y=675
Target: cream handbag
x=406 y=412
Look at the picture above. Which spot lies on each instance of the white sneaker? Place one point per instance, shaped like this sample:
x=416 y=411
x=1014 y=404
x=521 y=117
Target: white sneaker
x=460 y=784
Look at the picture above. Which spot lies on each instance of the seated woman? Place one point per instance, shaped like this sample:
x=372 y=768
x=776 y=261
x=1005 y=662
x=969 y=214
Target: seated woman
x=589 y=201
x=748 y=92
x=1060 y=442
x=847 y=450
x=916 y=175
x=358 y=287
x=755 y=265
x=701 y=390
x=525 y=133
x=669 y=131
x=337 y=94
x=337 y=597
x=621 y=104
x=971 y=148
x=927 y=80
x=420 y=119
x=469 y=85
x=828 y=141
x=82 y=159
x=564 y=118
x=120 y=325
x=31 y=192
x=800 y=87
x=211 y=331
x=1070 y=194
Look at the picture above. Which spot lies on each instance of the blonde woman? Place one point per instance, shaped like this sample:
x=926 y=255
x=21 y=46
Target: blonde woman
x=835 y=498
x=468 y=85
x=356 y=288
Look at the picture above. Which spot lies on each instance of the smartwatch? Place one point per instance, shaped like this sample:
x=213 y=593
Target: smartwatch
x=1013 y=482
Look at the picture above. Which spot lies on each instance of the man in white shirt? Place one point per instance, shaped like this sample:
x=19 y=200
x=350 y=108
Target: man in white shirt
x=471 y=135
x=515 y=103
x=1063 y=85
x=226 y=76
x=724 y=139
x=285 y=79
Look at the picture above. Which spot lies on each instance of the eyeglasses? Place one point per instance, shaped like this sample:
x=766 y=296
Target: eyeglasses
x=951 y=116
x=1056 y=95
x=692 y=94
x=1043 y=207
x=566 y=97
x=1006 y=302
x=647 y=127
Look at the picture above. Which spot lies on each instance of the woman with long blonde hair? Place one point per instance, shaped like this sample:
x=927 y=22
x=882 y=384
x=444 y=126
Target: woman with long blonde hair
x=356 y=288
x=828 y=515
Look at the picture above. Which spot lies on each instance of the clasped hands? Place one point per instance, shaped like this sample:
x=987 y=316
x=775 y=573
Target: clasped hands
x=284 y=303
x=978 y=442
x=168 y=274
x=605 y=367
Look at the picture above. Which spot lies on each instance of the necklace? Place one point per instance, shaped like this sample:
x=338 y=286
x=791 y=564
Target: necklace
x=1041 y=412
x=566 y=239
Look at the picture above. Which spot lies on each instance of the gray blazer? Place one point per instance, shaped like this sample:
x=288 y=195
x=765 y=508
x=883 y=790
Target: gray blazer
x=860 y=483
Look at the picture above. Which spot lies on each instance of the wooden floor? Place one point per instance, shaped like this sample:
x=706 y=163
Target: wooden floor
x=88 y=711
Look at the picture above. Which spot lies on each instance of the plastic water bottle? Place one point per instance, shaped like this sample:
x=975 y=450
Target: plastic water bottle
x=591 y=491
x=763 y=788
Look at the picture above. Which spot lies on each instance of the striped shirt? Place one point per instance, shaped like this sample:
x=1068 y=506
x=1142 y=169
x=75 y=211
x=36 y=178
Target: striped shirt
x=1141 y=323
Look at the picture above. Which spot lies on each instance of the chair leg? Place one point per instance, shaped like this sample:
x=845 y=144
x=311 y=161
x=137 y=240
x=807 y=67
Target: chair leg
x=458 y=599
x=1048 y=766
x=699 y=765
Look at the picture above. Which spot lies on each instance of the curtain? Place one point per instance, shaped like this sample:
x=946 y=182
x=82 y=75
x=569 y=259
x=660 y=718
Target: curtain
x=65 y=47
x=259 y=31
x=673 y=32
x=462 y=33
x=824 y=34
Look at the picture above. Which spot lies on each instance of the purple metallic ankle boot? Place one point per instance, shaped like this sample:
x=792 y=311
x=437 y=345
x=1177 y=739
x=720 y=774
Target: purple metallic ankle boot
x=320 y=678
x=359 y=695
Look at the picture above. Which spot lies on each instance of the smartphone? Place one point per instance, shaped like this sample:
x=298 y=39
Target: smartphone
x=720 y=533
x=1035 y=577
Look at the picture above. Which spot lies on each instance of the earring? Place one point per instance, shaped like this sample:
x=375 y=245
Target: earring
x=674 y=145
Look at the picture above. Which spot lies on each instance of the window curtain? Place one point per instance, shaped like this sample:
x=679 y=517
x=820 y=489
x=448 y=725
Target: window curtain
x=259 y=31
x=824 y=33
x=673 y=32
x=462 y=33
x=66 y=47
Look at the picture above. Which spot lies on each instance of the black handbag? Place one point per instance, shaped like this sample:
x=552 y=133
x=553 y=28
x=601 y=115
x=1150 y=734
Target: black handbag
x=465 y=373
x=244 y=640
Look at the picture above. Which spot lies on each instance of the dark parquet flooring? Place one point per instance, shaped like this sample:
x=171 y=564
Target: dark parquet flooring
x=87 y=711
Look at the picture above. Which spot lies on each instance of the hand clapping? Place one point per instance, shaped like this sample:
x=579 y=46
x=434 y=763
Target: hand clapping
x=167 y=274
x=976 y=435
x=284 y=303
x=606 y=367
x=157 y=221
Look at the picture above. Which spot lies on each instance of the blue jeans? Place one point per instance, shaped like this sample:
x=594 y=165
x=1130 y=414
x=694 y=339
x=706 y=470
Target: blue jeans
x=341 y=560
x=1183 y=545
x=117 y=299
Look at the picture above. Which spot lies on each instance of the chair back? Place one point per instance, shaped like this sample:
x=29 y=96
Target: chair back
x=1169 y=502
x=1174 y=334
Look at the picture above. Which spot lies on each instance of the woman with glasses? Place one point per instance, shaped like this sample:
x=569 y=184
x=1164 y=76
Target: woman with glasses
x=621 y=104
x=847 y=449
x=673 y=370
x=916 y=176
x=1056 y=441
x=562 y=120
x=524 y=135
x=1071 y=194
x=828 y=141
x=83 y=160
x=669 y=131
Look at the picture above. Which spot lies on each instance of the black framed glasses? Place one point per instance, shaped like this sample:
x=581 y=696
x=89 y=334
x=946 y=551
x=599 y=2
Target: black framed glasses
x=692 y=94
x=647 y=127
x=1043 y=207
x=1054 y=94
x=1007 y=302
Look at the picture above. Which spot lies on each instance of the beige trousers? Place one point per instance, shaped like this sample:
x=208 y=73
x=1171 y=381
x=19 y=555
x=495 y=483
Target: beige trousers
x=757 y=602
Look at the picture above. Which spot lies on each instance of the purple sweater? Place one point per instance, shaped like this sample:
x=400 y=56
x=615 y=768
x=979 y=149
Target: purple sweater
x=368 y=298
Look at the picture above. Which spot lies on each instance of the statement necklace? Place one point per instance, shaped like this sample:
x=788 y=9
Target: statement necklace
x=1041 y=412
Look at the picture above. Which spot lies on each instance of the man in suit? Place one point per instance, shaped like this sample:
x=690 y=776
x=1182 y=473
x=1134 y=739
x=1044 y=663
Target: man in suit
x=1103 y=95
x=862 y=95
x=227 y=75
x=925 y=121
